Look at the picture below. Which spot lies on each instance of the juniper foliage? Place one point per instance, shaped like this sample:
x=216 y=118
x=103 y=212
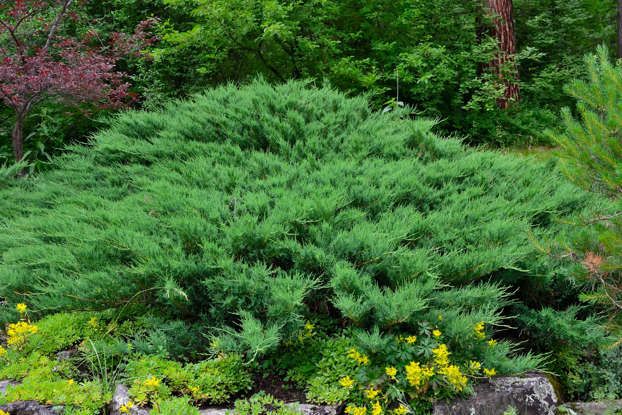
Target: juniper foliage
x=249 y=210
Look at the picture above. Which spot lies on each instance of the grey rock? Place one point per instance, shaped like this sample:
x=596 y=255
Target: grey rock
x=592 y=408
x=317 y=410
x=121 y=397
x=215 y=411
x=65 y=355
x=532 y=394
x=4 y=384
x=31 y=408
x=26 y=407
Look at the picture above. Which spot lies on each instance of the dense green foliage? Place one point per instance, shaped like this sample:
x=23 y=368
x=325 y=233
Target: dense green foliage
x=84 y=374
x=211 y=381
x=439 y=49
x=248 y=211
x=591 y=153
x=299 y=216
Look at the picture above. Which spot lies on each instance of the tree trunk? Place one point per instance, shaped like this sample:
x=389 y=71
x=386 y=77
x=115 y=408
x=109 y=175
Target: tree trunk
x=18 y=138
x=504 y=64
x=619 y=28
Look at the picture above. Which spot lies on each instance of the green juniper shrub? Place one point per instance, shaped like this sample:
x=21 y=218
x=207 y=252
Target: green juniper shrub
x=153 y=335
x=247 y=211
x=559 y=333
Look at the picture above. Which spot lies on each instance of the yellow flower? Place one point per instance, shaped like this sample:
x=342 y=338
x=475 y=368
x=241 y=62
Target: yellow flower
x=360 y=358
x=3 y=413
x=411 y=339
x=355 y=410
x=418 y=375
x=400 y=410
x=125 y=409
x=489 y=372
x=376 y=409
x=21 y=307
x=454 y=376
x=371 y=393
x=436 y=333
x=93 y=322
x=390 y=371
x=346 y=382
x=492 y=342
x=441 y=355
x=19 y=332
x=71 y=381
x=152 y=382
x=479 y=330
x=3 y=353
x=474 y=366
x=309 y=326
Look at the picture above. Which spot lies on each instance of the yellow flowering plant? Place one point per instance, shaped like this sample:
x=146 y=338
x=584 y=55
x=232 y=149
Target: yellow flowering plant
x=18 y=333
x=396 y=374
x=21 y=309
x=409 y=374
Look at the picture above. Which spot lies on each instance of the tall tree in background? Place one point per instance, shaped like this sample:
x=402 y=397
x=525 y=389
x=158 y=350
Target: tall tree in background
x=38 y=61
x=504 y=64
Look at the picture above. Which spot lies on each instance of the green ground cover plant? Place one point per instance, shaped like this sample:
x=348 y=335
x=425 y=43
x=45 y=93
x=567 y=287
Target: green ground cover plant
x=30 y=359
x=269 y=220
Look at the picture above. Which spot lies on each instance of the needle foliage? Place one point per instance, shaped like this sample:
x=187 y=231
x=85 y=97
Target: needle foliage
x=249 y=210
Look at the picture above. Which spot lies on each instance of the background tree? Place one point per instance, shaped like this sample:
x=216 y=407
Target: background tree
x=40 y=64
x=591 y=151
x=504 y=63
x=357 y=47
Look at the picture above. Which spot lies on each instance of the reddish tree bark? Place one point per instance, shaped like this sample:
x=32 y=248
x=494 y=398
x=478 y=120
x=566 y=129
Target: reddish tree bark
x=17 y=138
x=504 y=64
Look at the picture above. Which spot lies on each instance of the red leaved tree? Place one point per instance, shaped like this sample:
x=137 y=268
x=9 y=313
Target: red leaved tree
x=38 y=62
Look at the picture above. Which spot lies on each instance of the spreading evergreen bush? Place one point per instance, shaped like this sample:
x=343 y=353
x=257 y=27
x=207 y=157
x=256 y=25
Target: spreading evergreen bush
x=251 y=210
